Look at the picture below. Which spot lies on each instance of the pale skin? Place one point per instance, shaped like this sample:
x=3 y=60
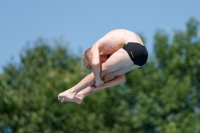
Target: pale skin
x=111 y=44
x=89 y=90
x=109 y=82
x=112 y=70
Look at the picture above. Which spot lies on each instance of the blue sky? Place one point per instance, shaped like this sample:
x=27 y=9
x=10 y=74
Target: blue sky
x=81 y=23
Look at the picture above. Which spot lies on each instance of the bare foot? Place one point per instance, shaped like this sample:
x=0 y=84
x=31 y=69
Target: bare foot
x=75 y=99
x=78 y=99
x=67 y=95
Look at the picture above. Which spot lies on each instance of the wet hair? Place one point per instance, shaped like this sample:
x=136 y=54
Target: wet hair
x=86 y=60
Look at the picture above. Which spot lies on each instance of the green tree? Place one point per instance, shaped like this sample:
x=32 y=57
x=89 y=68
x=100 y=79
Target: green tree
x=161 y=97
x=167 y=92
x=29 y=95
x=29 y=90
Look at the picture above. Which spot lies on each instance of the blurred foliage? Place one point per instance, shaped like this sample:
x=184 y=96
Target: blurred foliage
x=161 y=97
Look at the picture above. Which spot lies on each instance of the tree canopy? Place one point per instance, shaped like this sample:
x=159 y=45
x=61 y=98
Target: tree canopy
x=163 y=96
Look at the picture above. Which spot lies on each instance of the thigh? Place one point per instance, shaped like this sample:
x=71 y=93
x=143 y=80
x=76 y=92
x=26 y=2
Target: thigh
x=119 y=72
x=120 y=59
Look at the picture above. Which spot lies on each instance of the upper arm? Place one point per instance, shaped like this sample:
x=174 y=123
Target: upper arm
x=95 y=52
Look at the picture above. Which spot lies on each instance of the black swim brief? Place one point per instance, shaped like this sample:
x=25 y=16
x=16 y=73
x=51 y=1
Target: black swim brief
x=137 y=52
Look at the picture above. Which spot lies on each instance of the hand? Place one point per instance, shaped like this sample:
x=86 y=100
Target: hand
x=99 y=82
x=94 y=87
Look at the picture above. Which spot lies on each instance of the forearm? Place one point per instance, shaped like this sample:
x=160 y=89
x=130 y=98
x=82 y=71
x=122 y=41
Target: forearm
x=96 y=70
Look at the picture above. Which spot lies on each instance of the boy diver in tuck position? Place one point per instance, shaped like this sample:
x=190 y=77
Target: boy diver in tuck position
x=113 y=55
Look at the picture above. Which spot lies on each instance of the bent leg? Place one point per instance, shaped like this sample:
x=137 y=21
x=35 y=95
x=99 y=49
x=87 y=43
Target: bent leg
x=120 y=59
x=111 y=75
x=107 y=78
x=82 y=94
x=89 y=90
x=69 y=94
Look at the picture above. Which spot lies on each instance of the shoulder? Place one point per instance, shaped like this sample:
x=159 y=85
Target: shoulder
x=118 y=31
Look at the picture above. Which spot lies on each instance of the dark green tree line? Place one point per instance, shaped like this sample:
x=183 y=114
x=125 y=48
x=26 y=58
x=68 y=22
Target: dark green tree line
x=161 y=97
x=168 y=98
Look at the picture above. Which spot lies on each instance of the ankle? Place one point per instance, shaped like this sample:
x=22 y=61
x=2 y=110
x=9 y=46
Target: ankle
x=80 y=96
x=72 y=91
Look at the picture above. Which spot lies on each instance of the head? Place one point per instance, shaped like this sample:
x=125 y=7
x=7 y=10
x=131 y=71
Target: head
x=87 y=56
x=86 y=59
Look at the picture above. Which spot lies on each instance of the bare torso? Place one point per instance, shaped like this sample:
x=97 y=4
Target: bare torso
x=115 y=39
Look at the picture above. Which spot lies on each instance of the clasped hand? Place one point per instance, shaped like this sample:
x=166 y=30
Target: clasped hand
x=99 y=82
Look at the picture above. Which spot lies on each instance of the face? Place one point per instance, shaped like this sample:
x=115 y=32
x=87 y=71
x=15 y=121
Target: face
x=103 y=58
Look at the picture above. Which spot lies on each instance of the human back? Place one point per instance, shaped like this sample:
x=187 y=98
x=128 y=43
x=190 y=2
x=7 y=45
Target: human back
x=115 y=39
x=109 y=44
